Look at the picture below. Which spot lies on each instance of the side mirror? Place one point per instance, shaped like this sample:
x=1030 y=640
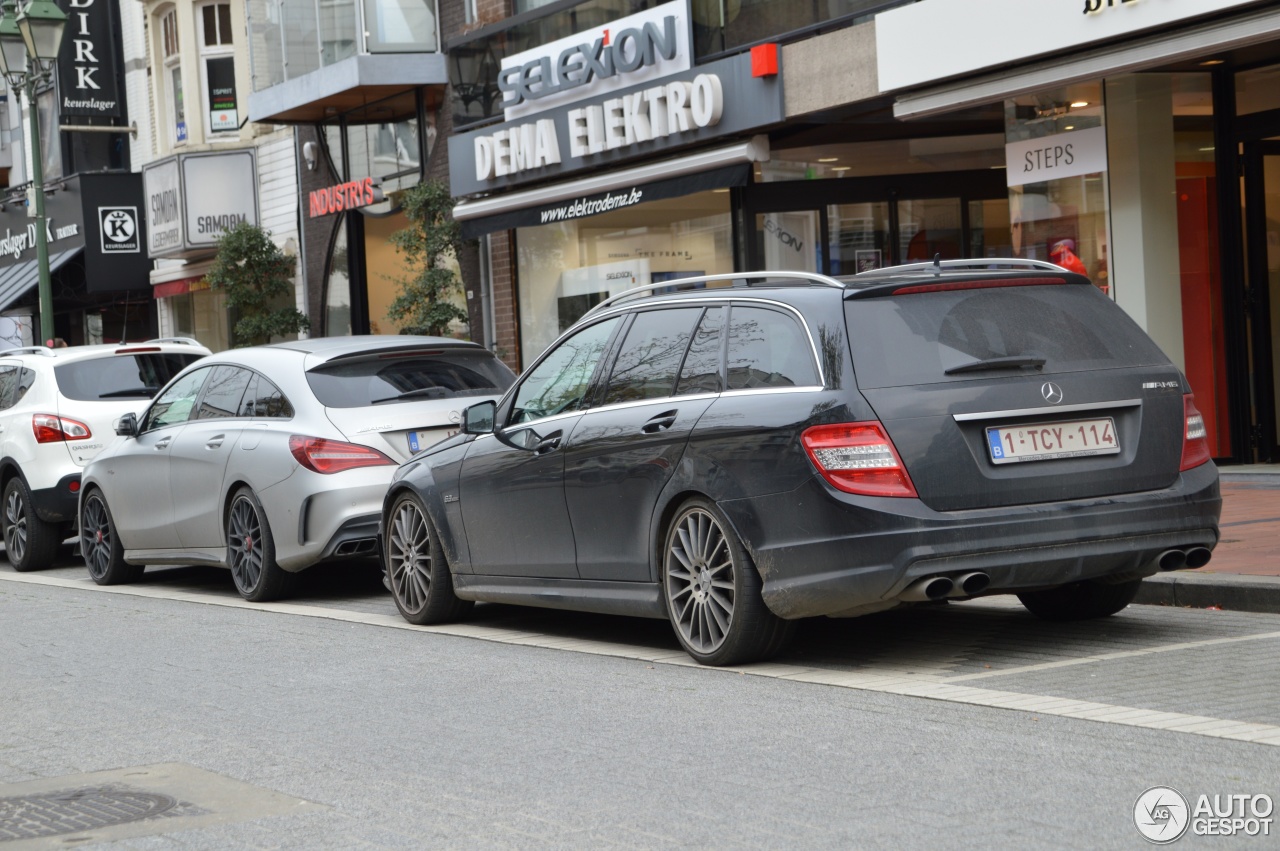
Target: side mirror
x=127 y=425
x=478 y=419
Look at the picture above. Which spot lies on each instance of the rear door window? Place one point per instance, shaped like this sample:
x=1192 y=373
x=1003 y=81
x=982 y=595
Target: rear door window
x=701 y=370
x=650 y=357
x=134 y=376
x=914 y=339
x=394 y=377
x=768 y=348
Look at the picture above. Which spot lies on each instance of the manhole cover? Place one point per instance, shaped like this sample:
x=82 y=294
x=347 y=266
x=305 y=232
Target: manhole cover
x=74 y=810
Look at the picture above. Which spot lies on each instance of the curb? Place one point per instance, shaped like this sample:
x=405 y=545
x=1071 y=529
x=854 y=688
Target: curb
x=1229 y=591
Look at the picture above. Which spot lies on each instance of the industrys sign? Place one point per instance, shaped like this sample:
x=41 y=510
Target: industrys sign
x=344 y=196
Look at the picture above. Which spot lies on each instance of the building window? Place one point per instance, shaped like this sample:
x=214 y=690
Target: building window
x=172 y=75
x=218 y=68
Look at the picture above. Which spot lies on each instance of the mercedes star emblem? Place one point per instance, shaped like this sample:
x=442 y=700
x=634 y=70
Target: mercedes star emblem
x=1051 y=392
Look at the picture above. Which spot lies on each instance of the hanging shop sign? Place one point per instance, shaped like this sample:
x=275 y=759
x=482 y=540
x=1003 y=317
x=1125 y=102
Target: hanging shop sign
x=1071 y=154
x=192 y=199
x=934 y=32
x=623 y=53
x=344 y=196
x=711 y=101
x=89 y=61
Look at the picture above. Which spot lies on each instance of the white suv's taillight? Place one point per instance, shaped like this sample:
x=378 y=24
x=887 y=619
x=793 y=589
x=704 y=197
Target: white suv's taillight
x=858 y=458
x=50 y=428
x=1195 y=445
x=333 y=456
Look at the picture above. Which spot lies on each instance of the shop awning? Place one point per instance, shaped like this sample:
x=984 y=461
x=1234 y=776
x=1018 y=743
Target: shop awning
x=1143 y=54
x=574 y=199
x=15 y=280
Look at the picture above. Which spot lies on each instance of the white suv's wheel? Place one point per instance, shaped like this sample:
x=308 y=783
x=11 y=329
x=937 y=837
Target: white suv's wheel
x=30 y=543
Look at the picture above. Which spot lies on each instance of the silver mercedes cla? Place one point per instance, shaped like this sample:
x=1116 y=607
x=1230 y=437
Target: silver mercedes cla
x=268 y=460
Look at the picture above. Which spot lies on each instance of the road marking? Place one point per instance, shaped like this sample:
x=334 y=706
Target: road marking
x=924 y=685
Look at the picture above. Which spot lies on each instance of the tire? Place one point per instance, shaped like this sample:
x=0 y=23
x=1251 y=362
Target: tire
x=417 y=572
x=712 y=591
x=251 y=552
x=100 y=545
x=29 y=542
x=1080 y=600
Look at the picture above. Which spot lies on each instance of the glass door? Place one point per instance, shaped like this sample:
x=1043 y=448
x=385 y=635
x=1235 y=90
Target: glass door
x=1262 y=292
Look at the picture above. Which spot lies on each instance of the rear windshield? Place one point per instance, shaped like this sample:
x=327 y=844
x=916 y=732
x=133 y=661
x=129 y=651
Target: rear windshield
x=387 y=379
x=137 y=376
x=914 y=339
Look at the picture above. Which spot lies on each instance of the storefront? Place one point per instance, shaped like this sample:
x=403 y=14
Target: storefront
x=621 y=176
x=1125 y=128
x=97 y=264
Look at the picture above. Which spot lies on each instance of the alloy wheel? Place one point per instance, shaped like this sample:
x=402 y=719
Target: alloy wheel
x=409 y=557
x=96 y=537
x=700 y=580
x=15 y=526
x=244 y=537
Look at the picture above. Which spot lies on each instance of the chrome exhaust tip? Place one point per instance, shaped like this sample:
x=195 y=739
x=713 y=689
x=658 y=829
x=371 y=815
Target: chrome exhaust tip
x=969 y=584
x=1172 y=560
x=929 y=588
x=1198 y=557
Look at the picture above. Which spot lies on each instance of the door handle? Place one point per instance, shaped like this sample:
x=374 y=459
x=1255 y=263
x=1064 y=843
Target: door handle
x=550 y=443
x=662 y=421
x=215 y=442
x=163 y=443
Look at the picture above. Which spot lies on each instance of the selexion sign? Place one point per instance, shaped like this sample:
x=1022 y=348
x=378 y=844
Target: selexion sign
x=623 y=53
x=713 y=100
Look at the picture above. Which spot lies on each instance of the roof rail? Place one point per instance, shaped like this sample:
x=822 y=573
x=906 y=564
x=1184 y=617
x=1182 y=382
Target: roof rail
x=688 y=283
x=185 y=341
x=975 y=263
x=29 y=350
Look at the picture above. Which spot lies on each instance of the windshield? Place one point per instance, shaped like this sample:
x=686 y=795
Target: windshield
x=413 y=375
x=137 y=376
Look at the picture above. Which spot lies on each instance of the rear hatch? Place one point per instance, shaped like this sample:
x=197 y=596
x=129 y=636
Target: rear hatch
x=402 y=401
x=1016 y=390
x=97 y=391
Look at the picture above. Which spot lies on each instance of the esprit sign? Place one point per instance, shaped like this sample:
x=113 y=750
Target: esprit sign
x=344 y=196
x=1071 y=154
x=88 y=60
x=621 y=54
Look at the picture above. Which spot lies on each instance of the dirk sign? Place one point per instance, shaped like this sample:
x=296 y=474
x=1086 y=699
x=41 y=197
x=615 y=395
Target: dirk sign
x=89 y=61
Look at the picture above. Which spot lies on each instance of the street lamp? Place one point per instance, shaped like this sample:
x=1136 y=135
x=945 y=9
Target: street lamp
x=29 y=45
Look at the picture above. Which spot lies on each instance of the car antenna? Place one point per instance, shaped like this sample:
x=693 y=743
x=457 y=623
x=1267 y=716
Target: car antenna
x=937 y=263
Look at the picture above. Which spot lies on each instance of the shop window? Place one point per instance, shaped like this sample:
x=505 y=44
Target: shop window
x=338 y=30
x=720 y=25
x=174 y=107
x=218 y=69
x=891 y=156
x=1060 y=219
x=567 y=267
x=1258 y=90
x=337 y=288
x=929 y=229
x=859 y=237
x=399 y=26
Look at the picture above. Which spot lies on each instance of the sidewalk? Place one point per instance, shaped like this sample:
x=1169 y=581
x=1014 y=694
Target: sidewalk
x=1245 y=572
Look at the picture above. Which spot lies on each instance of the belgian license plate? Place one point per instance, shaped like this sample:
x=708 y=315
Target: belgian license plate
x=1051 y=441
x=421 y=439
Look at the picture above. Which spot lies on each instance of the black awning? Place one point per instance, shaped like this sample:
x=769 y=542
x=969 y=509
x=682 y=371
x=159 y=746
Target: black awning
x=15 y=280
x=738 y=174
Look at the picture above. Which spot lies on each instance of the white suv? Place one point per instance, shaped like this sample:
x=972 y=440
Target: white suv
x=57 y=411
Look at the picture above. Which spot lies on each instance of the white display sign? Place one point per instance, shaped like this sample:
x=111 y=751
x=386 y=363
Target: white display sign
x=219 y=190
x=164 y=207
x=1061 y=155
x=939 y=36
x=620 y=54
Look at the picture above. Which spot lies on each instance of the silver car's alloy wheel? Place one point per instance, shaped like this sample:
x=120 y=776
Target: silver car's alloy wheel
x=244 y=543
x=95 y=537
x=15 y=526
x=409 y=557
x=700 y=580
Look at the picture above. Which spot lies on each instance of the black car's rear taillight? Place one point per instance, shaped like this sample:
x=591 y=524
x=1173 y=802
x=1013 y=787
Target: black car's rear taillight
x=858 y=458
x=1195 y=445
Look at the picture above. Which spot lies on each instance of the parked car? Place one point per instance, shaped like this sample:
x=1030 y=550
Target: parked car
x=57 y=407
x=742 y=452
x=268 y=460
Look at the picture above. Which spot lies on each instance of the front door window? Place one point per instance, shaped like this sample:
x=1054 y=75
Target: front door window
x=559 y=383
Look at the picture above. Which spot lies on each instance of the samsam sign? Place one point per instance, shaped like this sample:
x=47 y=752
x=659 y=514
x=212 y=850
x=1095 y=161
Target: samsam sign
x=193 y=199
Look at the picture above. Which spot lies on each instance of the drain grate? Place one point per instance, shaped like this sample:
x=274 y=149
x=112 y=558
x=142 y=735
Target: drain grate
x=74 y=810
